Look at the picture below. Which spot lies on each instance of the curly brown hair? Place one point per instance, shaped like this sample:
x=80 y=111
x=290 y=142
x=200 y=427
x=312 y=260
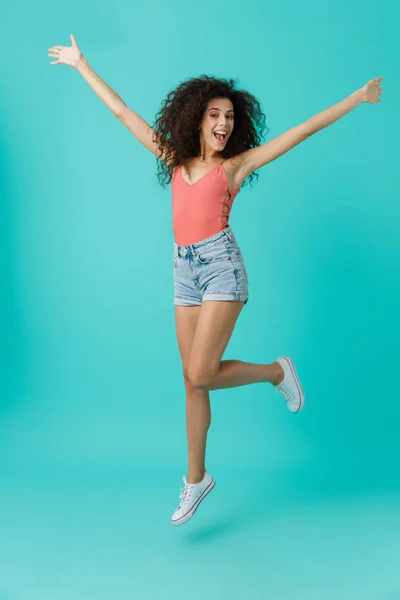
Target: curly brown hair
x=176 y=125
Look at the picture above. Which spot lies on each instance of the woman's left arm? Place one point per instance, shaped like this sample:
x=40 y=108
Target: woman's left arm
x=255 y=158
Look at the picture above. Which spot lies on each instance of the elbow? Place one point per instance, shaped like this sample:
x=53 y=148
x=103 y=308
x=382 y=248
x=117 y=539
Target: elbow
x=119 y=112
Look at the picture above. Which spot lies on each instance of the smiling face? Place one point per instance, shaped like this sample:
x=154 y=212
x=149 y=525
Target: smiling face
x=216 y=126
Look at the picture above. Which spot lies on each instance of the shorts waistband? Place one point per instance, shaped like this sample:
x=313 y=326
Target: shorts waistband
x=210 y=241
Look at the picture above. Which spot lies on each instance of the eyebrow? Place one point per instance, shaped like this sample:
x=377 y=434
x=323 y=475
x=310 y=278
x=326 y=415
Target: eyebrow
x=230 y=110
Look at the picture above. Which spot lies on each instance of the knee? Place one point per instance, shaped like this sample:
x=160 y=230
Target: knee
x=187 y=381
x=199 y=378
x=188 y=384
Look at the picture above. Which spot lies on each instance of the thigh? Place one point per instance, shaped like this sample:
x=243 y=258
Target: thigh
x=186 y=318
x=214 y=328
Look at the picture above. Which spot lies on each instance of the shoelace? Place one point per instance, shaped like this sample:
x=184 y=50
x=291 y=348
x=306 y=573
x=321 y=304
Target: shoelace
x=286 y=392
x=186 y=491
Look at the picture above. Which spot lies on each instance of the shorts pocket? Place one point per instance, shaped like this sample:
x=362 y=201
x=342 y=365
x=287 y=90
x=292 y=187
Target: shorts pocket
x=212 y=254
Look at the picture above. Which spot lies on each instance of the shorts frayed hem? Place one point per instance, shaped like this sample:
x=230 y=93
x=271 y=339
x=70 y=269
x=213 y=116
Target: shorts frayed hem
x=226 y=297
x=181 y=301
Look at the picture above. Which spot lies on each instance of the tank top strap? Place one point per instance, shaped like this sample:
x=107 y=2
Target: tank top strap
x=224 y=161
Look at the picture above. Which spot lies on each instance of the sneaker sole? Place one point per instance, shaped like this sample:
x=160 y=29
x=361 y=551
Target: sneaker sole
x=298 y=384
x=195 y=506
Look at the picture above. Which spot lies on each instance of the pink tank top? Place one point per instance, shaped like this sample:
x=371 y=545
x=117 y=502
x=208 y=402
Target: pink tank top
x=200 y=209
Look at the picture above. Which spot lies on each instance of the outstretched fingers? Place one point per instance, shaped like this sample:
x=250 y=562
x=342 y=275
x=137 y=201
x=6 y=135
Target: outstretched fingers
x=54 y=53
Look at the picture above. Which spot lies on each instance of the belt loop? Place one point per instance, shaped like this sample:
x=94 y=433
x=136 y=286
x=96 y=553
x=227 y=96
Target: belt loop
x=228 y=234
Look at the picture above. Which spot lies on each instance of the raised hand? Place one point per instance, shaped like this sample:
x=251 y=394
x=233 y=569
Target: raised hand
x=372 y=91
x=66 y=55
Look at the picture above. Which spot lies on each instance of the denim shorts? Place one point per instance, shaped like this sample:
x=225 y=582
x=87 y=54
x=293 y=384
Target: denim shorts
x=212 y=269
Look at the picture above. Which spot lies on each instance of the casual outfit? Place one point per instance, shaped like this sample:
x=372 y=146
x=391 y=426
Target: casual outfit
x=208 y=265
x=207 y=261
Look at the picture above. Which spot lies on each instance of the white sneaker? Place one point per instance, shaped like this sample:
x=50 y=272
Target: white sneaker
x=290 y=387
x=190 y=497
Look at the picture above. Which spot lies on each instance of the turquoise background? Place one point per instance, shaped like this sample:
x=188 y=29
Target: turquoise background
x=92 y=423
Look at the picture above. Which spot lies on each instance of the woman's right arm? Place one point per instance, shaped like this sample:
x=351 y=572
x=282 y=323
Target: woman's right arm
x=134 y=122
x=72 y=56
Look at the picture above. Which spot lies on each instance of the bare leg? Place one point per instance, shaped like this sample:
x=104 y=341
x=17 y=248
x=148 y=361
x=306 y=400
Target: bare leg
x=198 y=411
x=206 y=370
x=198 y=420
x=234 y=373
x=218 y=318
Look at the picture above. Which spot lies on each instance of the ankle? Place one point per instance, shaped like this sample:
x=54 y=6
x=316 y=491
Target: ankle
x=280 y=374
x=196 y=477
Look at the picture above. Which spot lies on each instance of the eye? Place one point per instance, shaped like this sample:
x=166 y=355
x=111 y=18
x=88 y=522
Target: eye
x=214 y=116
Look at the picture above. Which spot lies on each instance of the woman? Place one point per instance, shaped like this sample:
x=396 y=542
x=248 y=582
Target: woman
x=207 y=142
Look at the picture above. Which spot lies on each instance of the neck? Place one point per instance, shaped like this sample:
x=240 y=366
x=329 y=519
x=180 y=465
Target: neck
x=210 y=158
x=207 y=155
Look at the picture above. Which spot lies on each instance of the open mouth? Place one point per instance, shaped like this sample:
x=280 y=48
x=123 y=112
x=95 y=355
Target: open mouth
x=220 y=137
